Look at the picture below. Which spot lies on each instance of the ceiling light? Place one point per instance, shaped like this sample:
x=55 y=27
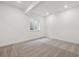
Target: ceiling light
x=18 y=1
x=65 y=6
x=47 y=13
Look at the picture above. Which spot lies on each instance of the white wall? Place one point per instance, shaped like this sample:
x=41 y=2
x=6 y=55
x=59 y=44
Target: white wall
x=14 y=26
x=64 y=26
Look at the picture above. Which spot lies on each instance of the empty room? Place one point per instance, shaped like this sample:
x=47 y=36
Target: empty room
x=39 y=28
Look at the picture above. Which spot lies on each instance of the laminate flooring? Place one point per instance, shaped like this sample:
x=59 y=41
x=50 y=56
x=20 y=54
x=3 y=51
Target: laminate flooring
x=44 y=47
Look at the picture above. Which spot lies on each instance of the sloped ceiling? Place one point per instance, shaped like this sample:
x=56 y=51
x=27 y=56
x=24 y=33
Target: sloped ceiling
x=43 y=7
x=22 y=5
x=53 y=7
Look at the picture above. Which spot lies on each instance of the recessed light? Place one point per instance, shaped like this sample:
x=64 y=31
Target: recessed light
x=18 y=1
x=65 y=6
x=47 y=13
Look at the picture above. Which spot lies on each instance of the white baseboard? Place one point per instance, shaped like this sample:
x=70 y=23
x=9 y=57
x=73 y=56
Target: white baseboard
x=57 y=38
x=20 y=41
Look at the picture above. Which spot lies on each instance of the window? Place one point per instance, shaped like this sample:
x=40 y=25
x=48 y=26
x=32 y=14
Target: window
x=35 y=25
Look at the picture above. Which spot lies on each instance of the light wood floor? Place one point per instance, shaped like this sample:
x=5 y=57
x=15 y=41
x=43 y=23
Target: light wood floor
x=43 y=47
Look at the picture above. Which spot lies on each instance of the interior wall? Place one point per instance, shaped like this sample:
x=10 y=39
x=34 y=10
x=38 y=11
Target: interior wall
x=14 y=26
x=64 y=25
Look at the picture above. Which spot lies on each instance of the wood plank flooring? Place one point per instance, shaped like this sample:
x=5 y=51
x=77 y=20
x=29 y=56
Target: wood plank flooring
x=43 y=47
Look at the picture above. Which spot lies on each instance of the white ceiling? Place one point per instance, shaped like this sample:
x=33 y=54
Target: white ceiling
x=53 y=7
x=43 y=7
x=23 y=5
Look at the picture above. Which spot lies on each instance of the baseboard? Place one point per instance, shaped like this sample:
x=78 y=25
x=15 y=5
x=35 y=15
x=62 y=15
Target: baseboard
x=17 y=42
x=56 y=38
